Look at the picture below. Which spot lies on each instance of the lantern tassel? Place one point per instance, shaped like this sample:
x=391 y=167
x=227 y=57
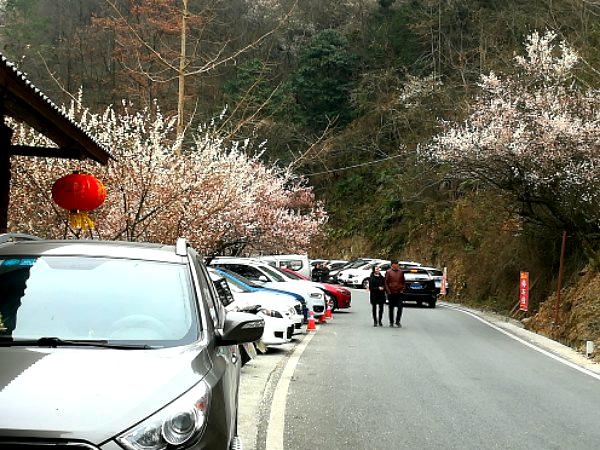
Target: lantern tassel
x=80 y=220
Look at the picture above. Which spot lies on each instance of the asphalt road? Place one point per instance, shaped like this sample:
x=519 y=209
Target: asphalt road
x=443 y=381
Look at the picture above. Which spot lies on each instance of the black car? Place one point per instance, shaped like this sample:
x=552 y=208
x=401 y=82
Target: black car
x=420 y=287
x=113 y=345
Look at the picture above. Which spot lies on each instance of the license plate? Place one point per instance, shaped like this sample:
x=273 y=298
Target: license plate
x=416 y=286
x=438 y=284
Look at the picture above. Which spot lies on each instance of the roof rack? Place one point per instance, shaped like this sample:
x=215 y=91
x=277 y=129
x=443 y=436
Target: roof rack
x=6 y=237
x=181 y=246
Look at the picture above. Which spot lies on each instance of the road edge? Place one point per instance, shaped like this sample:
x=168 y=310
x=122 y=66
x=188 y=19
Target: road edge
x=276 y=425
x=542 y=344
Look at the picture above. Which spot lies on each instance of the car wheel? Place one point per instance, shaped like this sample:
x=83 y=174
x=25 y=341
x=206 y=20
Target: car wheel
x=334 y=305
x=419 y=303
x=244 y=356
x=432 y=303
x=365 y=283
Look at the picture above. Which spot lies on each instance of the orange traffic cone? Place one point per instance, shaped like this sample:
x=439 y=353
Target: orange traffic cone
x=311 y=326
x=329 y=312
x=322 y=319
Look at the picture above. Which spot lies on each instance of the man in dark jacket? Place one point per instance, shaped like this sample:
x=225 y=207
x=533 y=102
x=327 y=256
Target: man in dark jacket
x=394 y=287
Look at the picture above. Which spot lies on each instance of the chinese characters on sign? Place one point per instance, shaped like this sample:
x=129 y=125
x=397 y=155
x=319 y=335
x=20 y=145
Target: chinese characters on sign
x=524 y=291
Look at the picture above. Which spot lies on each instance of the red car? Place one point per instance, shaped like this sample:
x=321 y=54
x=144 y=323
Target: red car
x=341 y=296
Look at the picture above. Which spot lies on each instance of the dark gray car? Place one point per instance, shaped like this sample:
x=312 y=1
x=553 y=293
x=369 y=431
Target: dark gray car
x=113 y=345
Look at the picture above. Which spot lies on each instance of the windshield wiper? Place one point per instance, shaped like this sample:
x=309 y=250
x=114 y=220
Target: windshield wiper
x=50 y=341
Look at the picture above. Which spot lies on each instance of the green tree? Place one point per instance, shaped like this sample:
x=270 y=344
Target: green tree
x=326 y=75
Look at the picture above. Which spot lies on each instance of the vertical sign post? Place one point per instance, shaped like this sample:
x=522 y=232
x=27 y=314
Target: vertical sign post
x=524 y=291
x=444 y=281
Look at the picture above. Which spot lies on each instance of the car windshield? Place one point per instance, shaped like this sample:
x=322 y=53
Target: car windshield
x=85 y=298
x=273 y=272
x=236 y=286
x=240 y=279
x=290 y=275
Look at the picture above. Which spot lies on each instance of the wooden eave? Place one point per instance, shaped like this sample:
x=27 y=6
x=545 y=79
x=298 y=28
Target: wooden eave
x=26 y=103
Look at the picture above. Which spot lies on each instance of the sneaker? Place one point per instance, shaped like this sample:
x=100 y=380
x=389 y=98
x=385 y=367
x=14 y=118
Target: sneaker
x=375 y=324
x=392 y=325
x=380 y=324
x=398 y=325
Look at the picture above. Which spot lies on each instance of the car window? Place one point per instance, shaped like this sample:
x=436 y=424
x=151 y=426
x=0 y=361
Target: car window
x=240 y=280
x=223 y=291
x=292 y=276
x=293 y=264
x=210 y=295
x=97 y=298
x=273 y=273
x=244 y=270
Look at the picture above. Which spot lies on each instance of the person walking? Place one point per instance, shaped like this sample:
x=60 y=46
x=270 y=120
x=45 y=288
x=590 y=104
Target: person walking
x=377 y=295
x=394 y=287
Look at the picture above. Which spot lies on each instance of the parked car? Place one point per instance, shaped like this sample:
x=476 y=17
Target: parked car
x=359 y=276
x=116 y=345
x=420 y=287
x=266 y=275
x=336 y=264
x=437 y=275
x=279 y=316
x=260 y=287
x=243 y=295
x=299 y=263
x=333 y=274
x=340 y=296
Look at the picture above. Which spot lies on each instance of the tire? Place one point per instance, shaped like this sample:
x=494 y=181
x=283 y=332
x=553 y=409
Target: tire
x=365 y=283
x=432 y=303
x=244 y=355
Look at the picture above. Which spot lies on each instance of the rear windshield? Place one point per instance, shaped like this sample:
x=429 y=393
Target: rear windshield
x=84 y=298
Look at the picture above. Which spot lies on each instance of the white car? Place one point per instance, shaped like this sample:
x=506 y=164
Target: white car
x=278 y=328
x=359 y=276
x=264 y=274
x=297 y=263
x=285 y=304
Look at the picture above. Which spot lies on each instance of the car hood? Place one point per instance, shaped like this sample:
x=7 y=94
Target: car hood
x=91 y=394
x=298 y=287
x=264 y=298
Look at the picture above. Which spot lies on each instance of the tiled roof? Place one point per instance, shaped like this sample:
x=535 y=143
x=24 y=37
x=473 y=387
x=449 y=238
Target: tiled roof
x=99 y=153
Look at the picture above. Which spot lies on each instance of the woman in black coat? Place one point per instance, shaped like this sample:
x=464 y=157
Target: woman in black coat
x=377 y=295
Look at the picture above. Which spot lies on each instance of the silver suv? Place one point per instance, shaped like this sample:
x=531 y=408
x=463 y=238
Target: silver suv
x=114 y=345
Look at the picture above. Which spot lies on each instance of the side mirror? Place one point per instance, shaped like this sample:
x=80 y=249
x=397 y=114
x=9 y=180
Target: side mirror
x=263 y=279
x=240 y=328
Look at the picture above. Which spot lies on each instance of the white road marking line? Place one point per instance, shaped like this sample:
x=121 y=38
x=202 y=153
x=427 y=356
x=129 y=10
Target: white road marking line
x=276 y=427
x=528 y=344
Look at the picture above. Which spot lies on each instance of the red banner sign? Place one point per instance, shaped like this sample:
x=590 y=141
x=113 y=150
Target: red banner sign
x=524 y=291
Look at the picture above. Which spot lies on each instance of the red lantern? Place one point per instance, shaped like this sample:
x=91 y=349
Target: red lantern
x=79 y=192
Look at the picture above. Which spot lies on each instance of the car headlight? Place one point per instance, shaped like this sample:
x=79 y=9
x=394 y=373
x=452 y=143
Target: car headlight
x=177 y=424
x=272 y=313
x=316 y=295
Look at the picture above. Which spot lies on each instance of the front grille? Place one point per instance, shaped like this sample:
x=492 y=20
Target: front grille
x=279 y=334
x=318 y=308
x=45 y=445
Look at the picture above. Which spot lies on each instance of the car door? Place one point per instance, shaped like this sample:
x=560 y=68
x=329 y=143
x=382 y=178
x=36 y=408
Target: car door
x=226 y=361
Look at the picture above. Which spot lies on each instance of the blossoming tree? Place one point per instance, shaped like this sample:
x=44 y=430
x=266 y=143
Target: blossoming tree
x=218 y=194
x=535 y=135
